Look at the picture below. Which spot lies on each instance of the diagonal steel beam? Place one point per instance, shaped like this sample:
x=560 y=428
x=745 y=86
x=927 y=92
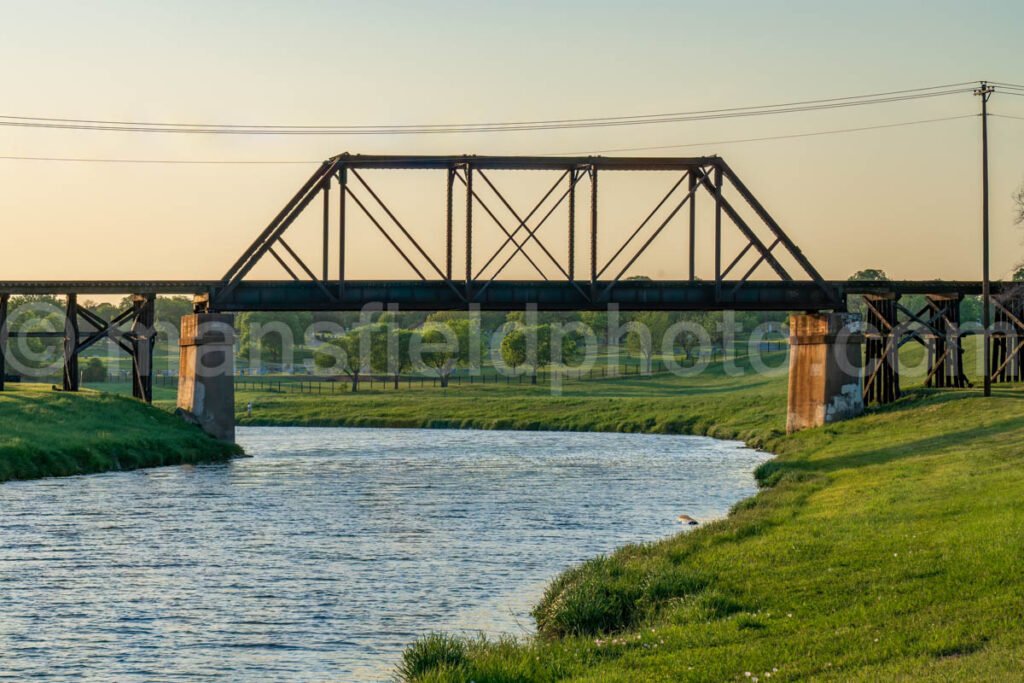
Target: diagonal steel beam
x=644 y=223
x=776 y=229
x=735 y=262
x=295 y=207
x=501 y=225
x=522 y=224
x=309 y=272
x=750 y=271
x=398 y=223
x=687 y=198
x=314 y=179
x=532 y=232
x=273 y=252
x=751 y=236
x=384 y=232
x=532 y=235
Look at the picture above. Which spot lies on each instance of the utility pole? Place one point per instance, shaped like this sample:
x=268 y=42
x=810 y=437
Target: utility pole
x=984 y=92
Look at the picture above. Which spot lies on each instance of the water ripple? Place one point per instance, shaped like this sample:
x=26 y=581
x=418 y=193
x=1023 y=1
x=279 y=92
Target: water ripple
x=329 y=550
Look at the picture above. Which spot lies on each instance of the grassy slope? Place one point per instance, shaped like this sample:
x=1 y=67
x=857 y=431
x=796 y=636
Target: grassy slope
x=45 y=433
x=888 y=548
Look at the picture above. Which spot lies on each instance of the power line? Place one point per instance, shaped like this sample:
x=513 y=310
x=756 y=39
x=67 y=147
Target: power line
x=1008 y=116
x=162 y=161
x=513 y=126
x=505 y=123
x=602 y=151
x=781 y=137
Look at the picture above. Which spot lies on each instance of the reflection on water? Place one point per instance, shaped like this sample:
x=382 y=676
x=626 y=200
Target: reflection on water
x=325 y=553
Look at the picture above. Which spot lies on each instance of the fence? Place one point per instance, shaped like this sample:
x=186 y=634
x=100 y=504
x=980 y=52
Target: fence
x=336 y=385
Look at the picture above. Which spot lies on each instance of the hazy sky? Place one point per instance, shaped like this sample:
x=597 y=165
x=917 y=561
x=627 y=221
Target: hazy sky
x=903 y=199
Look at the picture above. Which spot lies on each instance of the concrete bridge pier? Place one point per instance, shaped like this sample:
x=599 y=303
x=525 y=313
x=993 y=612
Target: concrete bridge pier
x=206 y=383
x=824 y=369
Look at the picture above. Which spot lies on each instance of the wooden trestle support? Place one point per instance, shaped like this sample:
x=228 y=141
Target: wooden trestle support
x=1008 y=337
x=936 y=327
x=84 y=328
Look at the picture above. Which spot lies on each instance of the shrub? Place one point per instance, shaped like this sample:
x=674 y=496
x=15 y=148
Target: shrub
x=609 y=594
x=434 y=653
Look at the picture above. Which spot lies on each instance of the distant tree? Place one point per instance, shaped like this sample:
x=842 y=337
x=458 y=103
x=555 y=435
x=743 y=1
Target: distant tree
x=870 y=275
x=389 y=350
x=541 y=317
x=513 y=348
x=266 y=332
x=1018 y=275
x=642 y=342
x=439 y=349
x=341 y=354
x=489 y=321
x=35 y=313
x=171 y=309
x=596 y=321
x=93 y=370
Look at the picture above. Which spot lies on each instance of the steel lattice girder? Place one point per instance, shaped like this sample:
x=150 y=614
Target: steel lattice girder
x=709 y=174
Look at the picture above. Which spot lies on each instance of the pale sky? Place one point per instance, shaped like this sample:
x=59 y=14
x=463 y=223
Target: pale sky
x=904 y=199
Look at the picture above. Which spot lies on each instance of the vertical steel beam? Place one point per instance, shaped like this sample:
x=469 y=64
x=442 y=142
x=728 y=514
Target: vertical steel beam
x=718 y=233
x=449 y=219
x=572 y=225
x=693 y=224
x=143 y=339
x=327 y=228
x=4 y=299
x=342 y=184
x=593 y=231
x=71 y=377
x=469 y=230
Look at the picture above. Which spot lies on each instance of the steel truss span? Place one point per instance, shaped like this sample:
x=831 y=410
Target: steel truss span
x=474 y=199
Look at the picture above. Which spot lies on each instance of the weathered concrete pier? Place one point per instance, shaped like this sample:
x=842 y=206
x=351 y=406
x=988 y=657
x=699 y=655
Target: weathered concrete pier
x=206 y=382
x=824 y=369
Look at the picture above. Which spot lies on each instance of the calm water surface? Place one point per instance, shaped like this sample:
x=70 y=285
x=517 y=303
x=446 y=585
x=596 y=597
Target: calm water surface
x=330 y=549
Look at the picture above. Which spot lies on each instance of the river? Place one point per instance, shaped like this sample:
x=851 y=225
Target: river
x=326 y=552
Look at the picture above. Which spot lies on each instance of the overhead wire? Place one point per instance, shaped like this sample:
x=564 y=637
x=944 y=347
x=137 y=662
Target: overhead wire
x=784 y=137
x=593 y=151
x=510 y=126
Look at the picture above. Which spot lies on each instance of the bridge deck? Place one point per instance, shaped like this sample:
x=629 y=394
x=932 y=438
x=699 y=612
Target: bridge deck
x=506 y=294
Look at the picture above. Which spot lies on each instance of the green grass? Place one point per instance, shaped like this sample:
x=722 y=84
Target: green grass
x=883 y=548
x=46 y=433
x=660 y=403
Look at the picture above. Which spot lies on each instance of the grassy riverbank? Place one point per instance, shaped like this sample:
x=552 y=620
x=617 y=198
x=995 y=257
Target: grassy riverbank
x=44 y=433
x=885 y=548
